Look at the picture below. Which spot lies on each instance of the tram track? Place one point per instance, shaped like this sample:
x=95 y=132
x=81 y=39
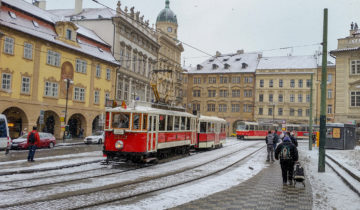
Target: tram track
x=84 y=192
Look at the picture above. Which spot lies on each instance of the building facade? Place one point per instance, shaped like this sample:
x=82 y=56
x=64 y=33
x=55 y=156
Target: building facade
x=168 y=78
x=347 y=54
x=223 y=86
x=39 y=51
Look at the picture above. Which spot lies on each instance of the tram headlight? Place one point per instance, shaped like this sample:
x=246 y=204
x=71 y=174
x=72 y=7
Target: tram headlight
x=119 y=145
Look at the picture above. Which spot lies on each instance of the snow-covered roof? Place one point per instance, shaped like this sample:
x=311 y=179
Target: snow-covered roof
x=230 y=63
x=87 y=13
x=211 y=118
x=345 y=49
x=26 y=25
x=288 y=62
x=90 y=34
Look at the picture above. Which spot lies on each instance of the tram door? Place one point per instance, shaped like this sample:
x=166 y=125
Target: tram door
x=152 y=137
x=217 y=133
x=193 y=131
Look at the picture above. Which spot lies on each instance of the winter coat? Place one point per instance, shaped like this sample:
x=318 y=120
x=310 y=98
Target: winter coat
x=276 y=138
x=37 y=138
x=293 y=140
x=293 y=151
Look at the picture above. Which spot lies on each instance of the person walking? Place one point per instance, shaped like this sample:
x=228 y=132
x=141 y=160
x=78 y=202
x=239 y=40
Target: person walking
x=292 y=138
x=276 y=139
x=33 y=140
x=269 y=139
x=288 y=155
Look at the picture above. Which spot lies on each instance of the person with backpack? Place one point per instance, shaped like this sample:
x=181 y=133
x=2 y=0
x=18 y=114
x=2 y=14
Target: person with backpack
x=276 y=139
x=269 y=139
x=33 y=140
x=288 y=155
x=292 y=138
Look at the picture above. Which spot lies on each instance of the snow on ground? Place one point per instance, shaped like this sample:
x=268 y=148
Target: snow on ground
x=349 y=158
x=329 y=191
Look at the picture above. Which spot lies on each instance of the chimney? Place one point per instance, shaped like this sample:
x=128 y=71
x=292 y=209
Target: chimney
x=40 y=3
x=78 y=6
x=218 y=54
x=240 y=52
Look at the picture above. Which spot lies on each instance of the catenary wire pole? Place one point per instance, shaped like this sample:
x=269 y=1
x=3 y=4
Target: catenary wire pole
x=311 y=107
x=321 y=166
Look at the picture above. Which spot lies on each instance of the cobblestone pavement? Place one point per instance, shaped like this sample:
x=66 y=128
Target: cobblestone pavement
x=263 y=191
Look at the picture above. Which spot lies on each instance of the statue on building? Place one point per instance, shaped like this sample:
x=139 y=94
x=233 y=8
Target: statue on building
x=147 y=23
x=126 y=9
x=356 y=26
x=352 y=25
x=137 y=15
x=132 y=13
x=142 y=18
x=118 y=8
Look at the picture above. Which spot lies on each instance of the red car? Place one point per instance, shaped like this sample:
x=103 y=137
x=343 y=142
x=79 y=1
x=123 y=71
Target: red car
x=46 y=140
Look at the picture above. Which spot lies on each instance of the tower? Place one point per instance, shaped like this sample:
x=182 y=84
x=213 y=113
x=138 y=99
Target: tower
x=166 y=21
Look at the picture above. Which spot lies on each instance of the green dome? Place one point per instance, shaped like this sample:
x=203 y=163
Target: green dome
x=166 y=15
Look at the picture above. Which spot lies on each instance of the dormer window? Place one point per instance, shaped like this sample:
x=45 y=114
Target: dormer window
x=101 y=50
x=211 y=60
x=169 y=29
x=226 y=66
x=225 y=59
x=68 y=34
x=35 y=24
x=214 y=66
x=237 y=59
x=12 y=15
x=199 y=67
x=244 y=65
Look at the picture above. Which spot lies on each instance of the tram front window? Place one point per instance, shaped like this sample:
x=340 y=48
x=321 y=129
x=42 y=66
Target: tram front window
x=120 y=120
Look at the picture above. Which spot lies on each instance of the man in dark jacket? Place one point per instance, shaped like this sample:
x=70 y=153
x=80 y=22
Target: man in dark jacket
x=292 y=138
x=269 y=140
x=288 y=155
x=33 y=140
x=276 y=139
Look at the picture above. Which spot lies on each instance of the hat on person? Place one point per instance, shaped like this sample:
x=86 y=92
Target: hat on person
x=287 y=138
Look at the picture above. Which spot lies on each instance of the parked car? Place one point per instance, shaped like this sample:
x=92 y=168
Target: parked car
x=4 y=133
x=96 y=137
x=46 y=140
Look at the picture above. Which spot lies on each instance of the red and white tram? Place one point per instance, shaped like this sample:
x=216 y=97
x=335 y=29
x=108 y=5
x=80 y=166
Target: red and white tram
x=254 y=130
x=211 y=132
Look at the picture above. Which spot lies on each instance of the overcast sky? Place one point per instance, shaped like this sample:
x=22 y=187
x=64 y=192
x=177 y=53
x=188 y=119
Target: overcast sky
x=252 y=25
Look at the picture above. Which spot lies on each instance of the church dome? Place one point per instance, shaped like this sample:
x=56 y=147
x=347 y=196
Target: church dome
x=166 y=15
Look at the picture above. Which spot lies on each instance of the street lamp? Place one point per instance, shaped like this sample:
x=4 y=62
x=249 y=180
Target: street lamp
x=68 y=82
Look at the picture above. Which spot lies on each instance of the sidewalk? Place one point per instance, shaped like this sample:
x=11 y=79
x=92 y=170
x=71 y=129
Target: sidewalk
x=263 y=191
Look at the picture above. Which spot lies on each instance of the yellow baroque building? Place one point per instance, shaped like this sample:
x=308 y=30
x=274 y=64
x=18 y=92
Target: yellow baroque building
x=39 y=53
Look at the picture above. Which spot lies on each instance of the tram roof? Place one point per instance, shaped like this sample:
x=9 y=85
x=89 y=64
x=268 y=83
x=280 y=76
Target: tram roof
x=211 y=118
x=150 y=110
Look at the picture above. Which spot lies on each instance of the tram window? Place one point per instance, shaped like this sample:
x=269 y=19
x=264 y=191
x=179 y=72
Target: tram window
x=144 y=121
x=188 y=123
x=170 y=123
x=149 y=127
x=261 y=127
x=177 y=123
x=252 y=127
x=136 y=121
x=212 y=128
x=247 y=127
x=162 y=122
x=203 y=127
x=183 y=123
x=120 y=120
x=256 y=127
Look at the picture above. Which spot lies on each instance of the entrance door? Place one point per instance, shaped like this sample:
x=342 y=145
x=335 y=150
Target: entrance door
x=152 y=137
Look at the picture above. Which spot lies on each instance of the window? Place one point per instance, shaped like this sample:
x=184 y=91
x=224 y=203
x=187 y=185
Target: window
x=79 y=94
x=247 y=108
x=308 y=98
x=126 y=90
x=53 y=58
x=212 y=80
x=261 y=97
x=270 y=111
x=300 y=83
x=27 y=50
x=261 y=111
x=169 y=29
x=329 y=78
x=236 y=80
x=223 y=80
x=211 y=107
x=329 y=95
x=196 y=107
x=128 y=58
x=355 y=98
x=355 y=67
x=281 y=83
x=196 y=93
x=307 y=112
x=68 y=34
x=162 y=119
x=271 y=97
x=197 y=80
x=121 y=120
x=140 y=65
x=248 y=93
x=96 y=97
x=122 y=55
x=329 y=109
x=280 y=111
x=51 y=89
x=292 y=98
x=148 y=94
x=281 y=98
x=248 y=79
x=235 y=107
x=98 y=71
x=134 y=62
x=9 y=45
x=300 y=98
x=224 y=93
x=81 y=66
x=107 y=96
x=211 y=93
x=261 y=83
x=222 y=107
x=25 y=85
x=108 y=74
x=300 y=112
x=308 y=83
x=6 y=81
x=235 y=93
x=292 y=83
x=271 y=83
x=292 y=112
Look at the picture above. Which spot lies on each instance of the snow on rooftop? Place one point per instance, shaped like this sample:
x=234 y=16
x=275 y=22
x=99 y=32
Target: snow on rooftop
x=87 y=13
x=288 y=62
x=90 y=34
x=235 y=63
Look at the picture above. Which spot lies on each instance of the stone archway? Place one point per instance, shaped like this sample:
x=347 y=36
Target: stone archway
x=76 y=123
x=17 y=121
x=97 y=124
x=51 y=124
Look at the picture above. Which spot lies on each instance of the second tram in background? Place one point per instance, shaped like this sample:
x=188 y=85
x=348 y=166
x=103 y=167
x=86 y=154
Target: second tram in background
x=254 y=130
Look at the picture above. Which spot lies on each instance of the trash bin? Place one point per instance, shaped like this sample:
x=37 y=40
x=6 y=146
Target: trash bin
x=340 y=136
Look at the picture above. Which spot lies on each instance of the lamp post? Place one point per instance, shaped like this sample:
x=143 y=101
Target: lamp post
x=68 y=82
